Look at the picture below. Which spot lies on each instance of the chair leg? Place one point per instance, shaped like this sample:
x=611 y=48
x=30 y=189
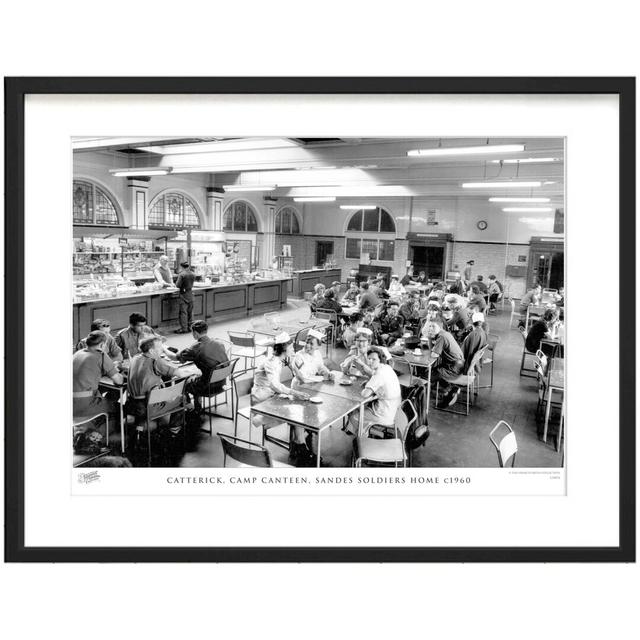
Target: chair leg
x=210 y=423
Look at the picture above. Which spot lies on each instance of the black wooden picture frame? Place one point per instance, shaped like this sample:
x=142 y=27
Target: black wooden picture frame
x=15 y=91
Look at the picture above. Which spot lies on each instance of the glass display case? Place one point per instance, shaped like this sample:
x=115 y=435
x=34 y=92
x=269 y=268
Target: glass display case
x=285 y=265
x=126 y=264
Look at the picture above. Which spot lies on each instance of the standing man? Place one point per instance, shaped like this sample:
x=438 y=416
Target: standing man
x=466 y=279
x=162 y=273
x=185 y=281
x=206 y=354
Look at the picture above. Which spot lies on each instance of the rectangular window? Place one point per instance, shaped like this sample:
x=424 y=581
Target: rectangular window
x=371 y=247
x=353 y=248
x=387 y=250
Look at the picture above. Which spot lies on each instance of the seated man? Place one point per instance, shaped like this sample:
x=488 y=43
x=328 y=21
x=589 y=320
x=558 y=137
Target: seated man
x=147 y=370
x=494 y=292
x=531 y=297
x=476 y=339
x=542 y=329
x=110 y=347
x=450 y=362
x=457 y=287
x=354 y=322
x=318 y=296
x=129 y=338
x=421 y=278
x=89 y=365
x=410 y=310
x=329 y=302
x=351 y=296
x=391 y=324
x=368 y=299
x=406 y=278
x=206 y=354
x=384 y=385
x=396 y=290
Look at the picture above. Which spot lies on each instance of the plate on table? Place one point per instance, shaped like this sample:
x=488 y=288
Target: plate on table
x=346 y=382
x=316 y=400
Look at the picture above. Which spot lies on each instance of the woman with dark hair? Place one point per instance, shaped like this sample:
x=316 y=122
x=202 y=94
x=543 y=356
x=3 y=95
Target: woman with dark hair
x=329 y=303
x=542 y=329
x=267 y=383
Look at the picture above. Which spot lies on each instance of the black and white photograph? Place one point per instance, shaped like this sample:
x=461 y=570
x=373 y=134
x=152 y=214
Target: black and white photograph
x=328 y=302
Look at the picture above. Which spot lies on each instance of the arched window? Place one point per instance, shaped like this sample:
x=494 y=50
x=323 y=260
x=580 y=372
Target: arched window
x=371 y=231
x=240 y=216
x=93 y=205
x=173 y=210
x=287 y=221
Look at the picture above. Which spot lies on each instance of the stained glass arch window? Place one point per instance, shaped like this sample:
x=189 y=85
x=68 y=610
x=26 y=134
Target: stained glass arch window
x=240 y=216
x=287 y=221
x=173 y=210
x=93 y=204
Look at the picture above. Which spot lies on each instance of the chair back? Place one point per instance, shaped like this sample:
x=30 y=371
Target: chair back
x=401 y=366
x=476 y=362
x=243 y=386
x=242 y=339
x=164 y=400
x=402 y=420
x=223 y=371
x=507 y=447
x=493 y=341
x=244 y=451
x=331 y=316
x=301 y=339
x=523 y=333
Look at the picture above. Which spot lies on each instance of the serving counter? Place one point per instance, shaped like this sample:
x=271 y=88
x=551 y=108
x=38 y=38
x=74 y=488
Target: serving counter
x=305 y=280
x=211 y=302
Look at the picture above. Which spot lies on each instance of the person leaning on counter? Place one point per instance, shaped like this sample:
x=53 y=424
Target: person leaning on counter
x=162 y=273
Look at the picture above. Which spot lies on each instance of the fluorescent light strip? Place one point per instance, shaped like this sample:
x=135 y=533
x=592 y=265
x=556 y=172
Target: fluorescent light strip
x=463 y=151
x=243 y=144
x=357 y=207
x=316 y=199
x=519 y=199
x=526 y=160
x=527 y=209
x=155 y=171
x=239 y=187
x=499 y=185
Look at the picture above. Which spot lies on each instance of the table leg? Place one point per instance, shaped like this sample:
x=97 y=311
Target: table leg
x=122 y=434
x=429 y=388
x=319 y=449
x=546 y=414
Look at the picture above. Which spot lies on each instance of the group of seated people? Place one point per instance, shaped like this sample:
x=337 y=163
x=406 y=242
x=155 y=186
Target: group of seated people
x=139 y=358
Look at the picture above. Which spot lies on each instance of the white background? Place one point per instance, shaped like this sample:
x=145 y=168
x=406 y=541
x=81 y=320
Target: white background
x=362 y=39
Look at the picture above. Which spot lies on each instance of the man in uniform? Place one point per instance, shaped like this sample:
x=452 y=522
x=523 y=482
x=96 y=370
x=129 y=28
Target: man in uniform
x=110 y=347
x=206 y=354
x=129 y=338
x=185 y=281
x=89 y=365
x=391 y=324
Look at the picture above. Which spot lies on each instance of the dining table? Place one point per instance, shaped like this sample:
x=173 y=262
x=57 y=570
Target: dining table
x=425 y=360
x=311 y=416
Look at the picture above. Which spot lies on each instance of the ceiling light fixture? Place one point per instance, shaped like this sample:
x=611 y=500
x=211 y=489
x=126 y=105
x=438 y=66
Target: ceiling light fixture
x=357 y=207
x=519 y=199
x=151 y=171
x=242 y=144
x=240 y=187
x=527 y=209
x=464 y=151
x=499 y=185
x=526 y=160
x=316 y=199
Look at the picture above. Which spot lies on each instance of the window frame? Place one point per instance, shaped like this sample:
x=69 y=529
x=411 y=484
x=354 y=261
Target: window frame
x=248 y=208
x=370 y=236
x=108 y=195
x=294 y=216
x=162 y=196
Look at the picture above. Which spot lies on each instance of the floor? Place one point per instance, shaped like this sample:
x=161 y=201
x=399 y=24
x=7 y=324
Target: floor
x=455 y=441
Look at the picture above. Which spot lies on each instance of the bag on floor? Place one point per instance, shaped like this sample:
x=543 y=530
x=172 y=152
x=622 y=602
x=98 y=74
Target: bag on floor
x=418 y=432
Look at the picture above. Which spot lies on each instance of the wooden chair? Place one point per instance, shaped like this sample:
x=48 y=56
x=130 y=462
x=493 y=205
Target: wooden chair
x=389 y=450
x=507 y=448
x=221 y=373
x=246 y=453
x=244 y=346
x=524 y=371
x=466 y=381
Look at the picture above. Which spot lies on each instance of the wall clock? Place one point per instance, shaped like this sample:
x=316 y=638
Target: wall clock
x=482 y=225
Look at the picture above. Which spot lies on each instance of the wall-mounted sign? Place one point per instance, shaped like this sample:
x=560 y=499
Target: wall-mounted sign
x=522 y=258
x=431 y=217
x=123 y=242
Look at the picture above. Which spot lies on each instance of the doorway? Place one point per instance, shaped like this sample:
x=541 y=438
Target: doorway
x=548 y=269
x=324 y=248
x=428 y=258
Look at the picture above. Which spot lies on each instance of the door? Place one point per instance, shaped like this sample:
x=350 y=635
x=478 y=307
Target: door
x=429 y=259
x=548 y=269
x=324 y=248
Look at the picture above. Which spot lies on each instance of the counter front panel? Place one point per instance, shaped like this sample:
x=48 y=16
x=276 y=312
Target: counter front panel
x=305 y=281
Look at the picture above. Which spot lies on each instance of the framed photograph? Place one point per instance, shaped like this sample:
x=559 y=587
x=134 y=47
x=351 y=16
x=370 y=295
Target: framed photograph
x=202 y=366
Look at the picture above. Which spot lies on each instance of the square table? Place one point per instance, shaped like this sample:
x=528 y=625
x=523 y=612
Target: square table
x=306 y=414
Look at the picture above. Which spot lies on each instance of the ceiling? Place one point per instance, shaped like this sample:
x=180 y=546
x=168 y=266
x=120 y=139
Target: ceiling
x=346 y=167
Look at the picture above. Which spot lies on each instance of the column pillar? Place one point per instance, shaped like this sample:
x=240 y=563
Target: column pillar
x=138 y=194
x=268 y=249
x=215 y=202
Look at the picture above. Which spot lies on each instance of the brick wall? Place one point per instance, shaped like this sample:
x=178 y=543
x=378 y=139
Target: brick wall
x=490 y=259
